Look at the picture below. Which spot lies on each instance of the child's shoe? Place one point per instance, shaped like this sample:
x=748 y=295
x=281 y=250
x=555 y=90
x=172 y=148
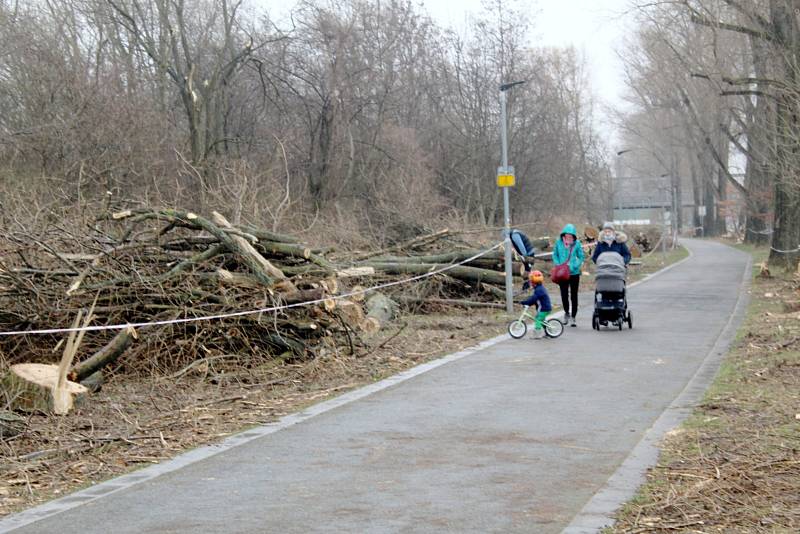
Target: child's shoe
x=538 y=334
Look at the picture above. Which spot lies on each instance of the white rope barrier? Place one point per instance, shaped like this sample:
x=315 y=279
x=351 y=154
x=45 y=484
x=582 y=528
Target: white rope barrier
x=765 y=232
x=785 y=251
x=98 y=328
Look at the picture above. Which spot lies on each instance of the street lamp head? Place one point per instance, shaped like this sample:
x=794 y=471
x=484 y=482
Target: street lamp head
x=506 y=86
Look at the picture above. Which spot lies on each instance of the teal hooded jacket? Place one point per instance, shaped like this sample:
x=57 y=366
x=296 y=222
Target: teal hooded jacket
x=561 y=251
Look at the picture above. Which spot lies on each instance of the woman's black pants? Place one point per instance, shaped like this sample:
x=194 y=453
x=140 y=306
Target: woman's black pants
x=570 y=288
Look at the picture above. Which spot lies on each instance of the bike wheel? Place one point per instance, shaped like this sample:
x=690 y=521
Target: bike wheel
x=553 y=328
x=517 y=329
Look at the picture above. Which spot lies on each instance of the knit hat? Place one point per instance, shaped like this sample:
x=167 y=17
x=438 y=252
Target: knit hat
x=608 y=226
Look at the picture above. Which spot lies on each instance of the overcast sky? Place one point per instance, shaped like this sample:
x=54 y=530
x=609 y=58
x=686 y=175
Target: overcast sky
x=594 y=27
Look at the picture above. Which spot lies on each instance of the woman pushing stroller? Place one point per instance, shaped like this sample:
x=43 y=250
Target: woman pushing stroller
x=610 y=296
x=612 y=241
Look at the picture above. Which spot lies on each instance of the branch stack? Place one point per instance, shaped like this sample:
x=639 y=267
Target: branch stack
x=146 y=265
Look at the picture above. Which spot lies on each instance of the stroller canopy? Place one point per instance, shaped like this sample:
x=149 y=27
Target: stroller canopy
x=610 y=266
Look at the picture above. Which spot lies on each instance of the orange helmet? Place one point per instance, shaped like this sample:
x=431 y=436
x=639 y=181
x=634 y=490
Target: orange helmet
x=536 y=277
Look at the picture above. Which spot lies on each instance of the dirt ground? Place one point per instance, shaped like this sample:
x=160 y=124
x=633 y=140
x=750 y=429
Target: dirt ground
x=734 y=466
x=133 y=422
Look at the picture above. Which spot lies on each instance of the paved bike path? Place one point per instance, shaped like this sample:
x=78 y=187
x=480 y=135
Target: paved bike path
x=516 y=437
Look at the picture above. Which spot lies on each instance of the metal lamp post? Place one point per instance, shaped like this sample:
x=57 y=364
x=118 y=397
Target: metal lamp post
x=618 y=178
x=506 y=179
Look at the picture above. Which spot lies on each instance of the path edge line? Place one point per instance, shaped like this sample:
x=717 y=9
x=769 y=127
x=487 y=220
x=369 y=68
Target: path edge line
x=623 y=484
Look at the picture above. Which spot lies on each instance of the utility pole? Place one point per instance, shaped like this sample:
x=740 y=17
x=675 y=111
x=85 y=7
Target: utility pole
x=506 y=179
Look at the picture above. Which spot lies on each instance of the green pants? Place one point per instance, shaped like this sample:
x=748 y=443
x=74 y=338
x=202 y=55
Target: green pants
x=540 y=317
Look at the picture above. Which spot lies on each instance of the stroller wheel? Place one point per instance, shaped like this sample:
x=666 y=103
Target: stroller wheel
x=619 y=323
x=595 y=322
x=630 y=320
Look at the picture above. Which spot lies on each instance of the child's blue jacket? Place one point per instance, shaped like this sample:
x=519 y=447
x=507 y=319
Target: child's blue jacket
x=540 y=299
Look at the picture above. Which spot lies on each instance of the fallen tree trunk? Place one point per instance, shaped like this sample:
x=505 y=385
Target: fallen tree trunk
x=496 y=265
x=448 y=257
x=496 y=292
x=469 y=274
x=265 y=235
x=292 y=250
x=303 y=295
x=252 y=258
x=106 y=355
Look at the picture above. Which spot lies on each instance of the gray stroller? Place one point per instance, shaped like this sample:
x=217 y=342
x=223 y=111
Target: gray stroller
x=610 y=300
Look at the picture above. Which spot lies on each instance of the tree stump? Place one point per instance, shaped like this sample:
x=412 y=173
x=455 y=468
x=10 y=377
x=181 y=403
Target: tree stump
x=30 y=387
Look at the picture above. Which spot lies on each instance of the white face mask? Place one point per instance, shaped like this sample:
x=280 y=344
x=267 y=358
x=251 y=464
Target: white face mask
x=608 y=237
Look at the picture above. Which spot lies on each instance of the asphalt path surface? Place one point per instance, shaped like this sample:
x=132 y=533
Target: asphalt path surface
x=519 y=436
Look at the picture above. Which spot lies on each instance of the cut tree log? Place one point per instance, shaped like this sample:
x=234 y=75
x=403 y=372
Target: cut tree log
x=448 y=257
x=331 y=285
x=106 y=355
x=350 y=312
x=237 y=279
x=380 y=310
x=358 y=294
x=468 y=274
x=496 y=292
x=353 y=272
x=497 y=265
x=265 y=235
x=292 y=250
x=260 y=266
x=303 y=295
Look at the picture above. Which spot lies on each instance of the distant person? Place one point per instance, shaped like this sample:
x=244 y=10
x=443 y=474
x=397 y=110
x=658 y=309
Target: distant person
x=570 y=251
x=612 y=241
x=541 y=299
x=524 y=248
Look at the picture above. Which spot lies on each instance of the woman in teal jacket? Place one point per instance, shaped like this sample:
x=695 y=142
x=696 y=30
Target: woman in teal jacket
x=568 y=248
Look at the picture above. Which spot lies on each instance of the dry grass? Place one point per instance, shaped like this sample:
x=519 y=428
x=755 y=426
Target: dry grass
x=734 y=466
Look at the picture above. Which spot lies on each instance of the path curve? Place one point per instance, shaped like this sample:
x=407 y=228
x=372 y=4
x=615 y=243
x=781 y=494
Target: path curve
x=519 y=436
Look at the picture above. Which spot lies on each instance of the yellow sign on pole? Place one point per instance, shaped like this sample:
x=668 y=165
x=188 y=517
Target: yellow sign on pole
x=505 y=177
x=505 y=180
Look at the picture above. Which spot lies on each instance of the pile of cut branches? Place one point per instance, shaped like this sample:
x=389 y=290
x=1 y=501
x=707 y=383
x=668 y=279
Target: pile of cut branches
x=149 y=265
